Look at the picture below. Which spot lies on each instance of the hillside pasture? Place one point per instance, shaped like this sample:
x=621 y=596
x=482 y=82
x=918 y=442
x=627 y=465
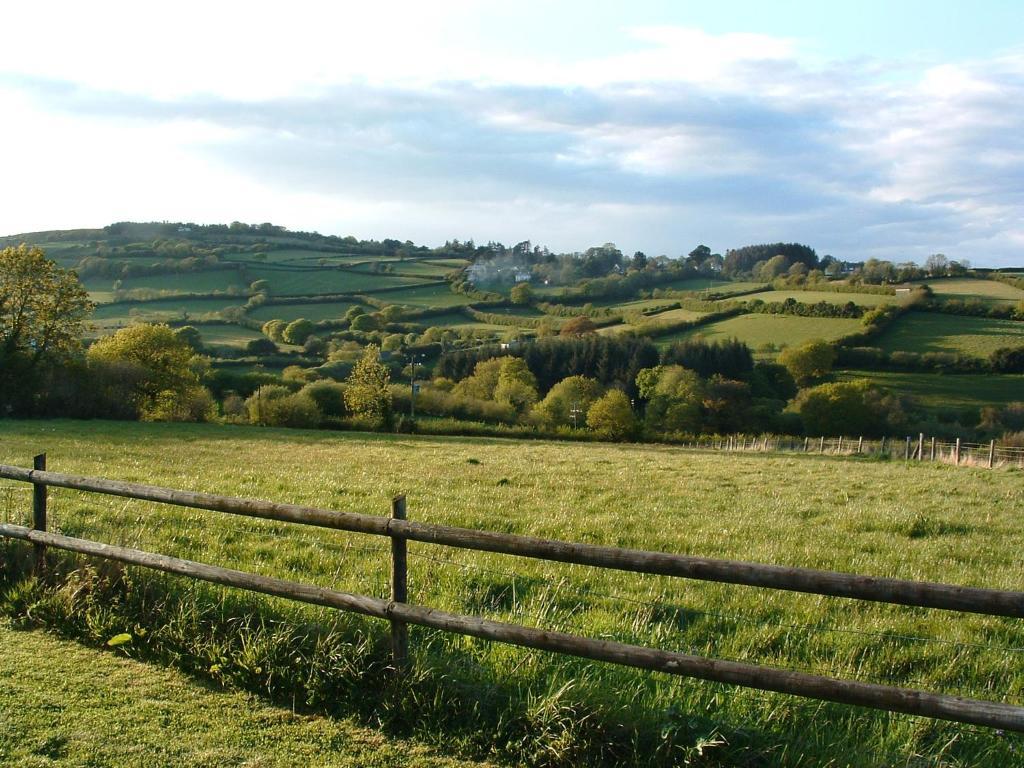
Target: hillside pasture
x=184 y=282
x=759 y=331
x=711 y=285
x=428 y=296
x=947 y=390
x=309 y=282
x=878 y=518
x=965 y=288
x=934 y=332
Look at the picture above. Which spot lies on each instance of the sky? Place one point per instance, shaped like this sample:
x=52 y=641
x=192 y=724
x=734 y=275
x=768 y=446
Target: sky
x=864 y=129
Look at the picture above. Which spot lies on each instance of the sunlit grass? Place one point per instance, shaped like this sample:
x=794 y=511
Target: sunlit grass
x=879 y=518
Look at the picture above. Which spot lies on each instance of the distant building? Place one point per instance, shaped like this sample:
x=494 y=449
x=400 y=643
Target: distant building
x=184 y=229
x=523 y=277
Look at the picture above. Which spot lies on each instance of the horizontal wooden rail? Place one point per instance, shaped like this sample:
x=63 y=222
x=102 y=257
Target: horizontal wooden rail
x=890 y=698
x=925 y=594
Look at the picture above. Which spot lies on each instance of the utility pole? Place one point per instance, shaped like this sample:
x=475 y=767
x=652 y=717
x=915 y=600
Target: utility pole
x=575 y=412
x=412 y=394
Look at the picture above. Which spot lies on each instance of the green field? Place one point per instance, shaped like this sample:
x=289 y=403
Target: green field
x=878 y=518
x=711 y=285
x=670 y=316
x=758 y=330
x=934 y=332
x=830 y=297
x=76 y=708
x=435 y=295
x=988 y=291
x=948 y=389
x=224 y=334
x=167 y=309
x=187 y=282
x=334 y=310
x=309 y=282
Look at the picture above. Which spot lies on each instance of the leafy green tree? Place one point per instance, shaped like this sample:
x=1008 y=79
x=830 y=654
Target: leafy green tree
x=674 y=398
x=365 y=322
x=167 y=370
x=42 y=314
x=809 y=361
x=521 y=294
x=297 y=331
x=484 y=380
x=611 y=416
x=572 y=392
x=274 y=330
x=366 y=394
x=516 y=386
x=578 y=326
x=847 y=408
x=190 y=335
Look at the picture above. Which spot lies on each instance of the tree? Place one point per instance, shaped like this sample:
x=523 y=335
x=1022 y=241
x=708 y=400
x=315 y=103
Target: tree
x=847 y=408
x=809 y=361
x=573 y=393
x=936 y=265
x=521 y=293
x=578 y=326
x=42 y=313
x=166 y=370
x=611 y=416
x=674 y=398
x=297 y=331
x=261 y=347
x=367 y=395
x=190 y=335
x=274 y=329
x=516 y=386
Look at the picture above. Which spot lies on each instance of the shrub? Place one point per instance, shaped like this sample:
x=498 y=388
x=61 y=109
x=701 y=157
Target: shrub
x=274 y=406
x=809 y=361
x=329 y=397
x=611 y=416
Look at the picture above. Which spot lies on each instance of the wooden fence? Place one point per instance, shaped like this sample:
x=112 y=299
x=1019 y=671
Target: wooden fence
x=400 y=614
x=911 y=448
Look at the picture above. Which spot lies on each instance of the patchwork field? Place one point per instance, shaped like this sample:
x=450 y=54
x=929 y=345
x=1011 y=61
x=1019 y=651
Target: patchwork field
x=188 y=282
x=227 y=335
x=989 y=291
x=712 y=285
x=879 y=518
x=934 y=332
x=758 y=330
x=948 y=389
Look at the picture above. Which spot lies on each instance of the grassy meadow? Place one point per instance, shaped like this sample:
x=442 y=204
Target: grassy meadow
x=952 y=390
x=988 y=291
x=934 y=332
x=759 y=330
x=914 y=521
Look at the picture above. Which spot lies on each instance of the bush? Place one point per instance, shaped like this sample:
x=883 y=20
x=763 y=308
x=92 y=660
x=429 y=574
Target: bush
x=329 y=397
x=274 y=406
x=809 y=361
x=612 y=417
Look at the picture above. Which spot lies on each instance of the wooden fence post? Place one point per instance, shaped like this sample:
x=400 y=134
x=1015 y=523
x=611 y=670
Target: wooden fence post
x=906 y=455
x=399 y=588
x=840 y=449
x=821 y=445
x=932 y=455
x=920 y=446
x=881 y=448
x=806 y=440
x=860 y=444
x=956 y=452
x=991 y=454
x=39 y=513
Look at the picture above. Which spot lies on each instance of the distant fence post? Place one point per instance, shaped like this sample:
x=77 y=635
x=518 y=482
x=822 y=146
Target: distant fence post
x=39 y=513
x=906 y=453
x=399 y=588
x=821 y=445
x=840 y=449
x=920 y=446
x=956 y=452
x=860 y=444
x=991 y=454
x=932 y=456
x=881 y=448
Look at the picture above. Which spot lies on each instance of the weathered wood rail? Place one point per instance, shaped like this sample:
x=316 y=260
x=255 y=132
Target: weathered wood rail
x=400 y=613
